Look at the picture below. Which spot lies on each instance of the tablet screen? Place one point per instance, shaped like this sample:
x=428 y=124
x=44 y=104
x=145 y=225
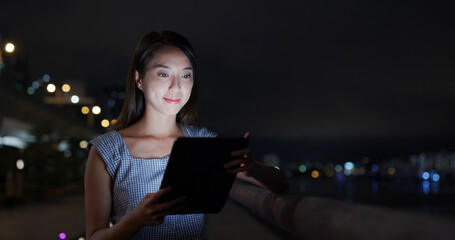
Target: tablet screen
x=195 y=169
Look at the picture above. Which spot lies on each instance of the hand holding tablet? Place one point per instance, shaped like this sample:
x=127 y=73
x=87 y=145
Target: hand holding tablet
x=196 y=170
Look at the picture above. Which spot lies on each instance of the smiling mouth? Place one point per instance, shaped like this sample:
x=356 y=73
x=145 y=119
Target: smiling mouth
x=172 y=101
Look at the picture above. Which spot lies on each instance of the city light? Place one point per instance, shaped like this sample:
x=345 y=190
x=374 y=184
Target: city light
x=302 y=168
x=66 y=88
x=62 y=235
x=96 y=110
x=349 y=165
x=9 y=47
x=85 y=110
x=74 y=99
x=46 y=77
x=435 y=177
x=20 y=164
x=425 y=175
x=51 y=88
x=30 y=90
x=392 y=171
x=338 y=168
x=83 y=144
x=314 y=174
x=105 y=123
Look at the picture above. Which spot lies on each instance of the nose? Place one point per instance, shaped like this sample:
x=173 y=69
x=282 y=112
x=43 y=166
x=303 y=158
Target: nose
x=174 y=85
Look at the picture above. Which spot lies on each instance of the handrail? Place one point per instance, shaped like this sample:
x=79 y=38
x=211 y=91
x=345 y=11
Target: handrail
x=321 y=218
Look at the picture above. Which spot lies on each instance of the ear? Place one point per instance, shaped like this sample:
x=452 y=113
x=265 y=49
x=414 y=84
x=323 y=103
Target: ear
x=138 y=80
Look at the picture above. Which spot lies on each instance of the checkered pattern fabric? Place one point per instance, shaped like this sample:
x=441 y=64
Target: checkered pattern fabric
x=134 y=178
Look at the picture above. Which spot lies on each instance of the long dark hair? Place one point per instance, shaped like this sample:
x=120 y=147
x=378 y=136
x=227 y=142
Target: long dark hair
x=133 y=107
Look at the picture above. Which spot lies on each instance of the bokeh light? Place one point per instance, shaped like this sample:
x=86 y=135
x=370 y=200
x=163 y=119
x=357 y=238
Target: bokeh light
x=9 y=47
x=302 y=168
x=85 y=110
x=96 y=110
x=349 y=165
x=83 y=144
x=314 y=174
x=105 y=123
x=425 y=175
x=20 y=164
x=66 y=88
x=62 y=235
x=46 y=77
x=51 y=88
x=74 y=99
x=113 y=121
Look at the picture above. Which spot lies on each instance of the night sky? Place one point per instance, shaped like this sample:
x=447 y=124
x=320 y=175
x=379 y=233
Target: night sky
x=307 y=78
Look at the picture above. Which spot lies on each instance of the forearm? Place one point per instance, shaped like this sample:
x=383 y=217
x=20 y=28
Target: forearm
x=270 y=177
x=125 y=229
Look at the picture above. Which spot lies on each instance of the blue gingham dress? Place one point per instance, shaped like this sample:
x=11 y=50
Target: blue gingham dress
x=134 y=178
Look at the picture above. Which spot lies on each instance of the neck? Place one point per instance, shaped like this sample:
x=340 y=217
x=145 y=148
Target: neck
x=158 y=125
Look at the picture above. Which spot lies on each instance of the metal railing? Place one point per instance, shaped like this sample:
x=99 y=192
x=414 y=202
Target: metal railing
x=322 y=218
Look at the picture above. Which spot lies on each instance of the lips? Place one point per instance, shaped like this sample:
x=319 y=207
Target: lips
x=172 y=100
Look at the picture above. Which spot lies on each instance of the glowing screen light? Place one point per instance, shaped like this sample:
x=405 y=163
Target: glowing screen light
x=349 y=165
x=425 y=175
x=62 y=235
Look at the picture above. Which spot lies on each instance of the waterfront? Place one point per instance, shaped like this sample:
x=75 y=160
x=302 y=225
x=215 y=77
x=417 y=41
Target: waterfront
x=421 y=196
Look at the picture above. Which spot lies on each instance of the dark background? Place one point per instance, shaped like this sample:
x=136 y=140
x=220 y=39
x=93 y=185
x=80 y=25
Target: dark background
x=312 y=79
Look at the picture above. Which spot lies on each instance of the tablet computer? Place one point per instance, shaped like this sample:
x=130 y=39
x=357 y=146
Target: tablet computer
x=195 y=169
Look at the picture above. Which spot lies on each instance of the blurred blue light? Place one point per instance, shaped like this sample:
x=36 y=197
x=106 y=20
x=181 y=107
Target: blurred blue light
x=426 y=187
x=349 y=165
x=46 y=77
x=338 y=168
x=374 y=168
x=435 y=177
x=425 y=175
x=111 y=103
x=277 y=167
x=35 y=84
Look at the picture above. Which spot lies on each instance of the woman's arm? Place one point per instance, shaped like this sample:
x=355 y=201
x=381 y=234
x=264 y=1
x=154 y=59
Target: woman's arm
x=98 y=203
x=249 y=169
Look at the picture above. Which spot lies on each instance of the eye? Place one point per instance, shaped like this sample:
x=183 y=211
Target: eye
x=163 y=75
x=187 y=76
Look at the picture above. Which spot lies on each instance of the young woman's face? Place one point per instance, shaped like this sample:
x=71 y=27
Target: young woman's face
x=167 y=81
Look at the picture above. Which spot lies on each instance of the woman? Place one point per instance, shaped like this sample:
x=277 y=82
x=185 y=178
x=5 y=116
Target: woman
x=125 y=166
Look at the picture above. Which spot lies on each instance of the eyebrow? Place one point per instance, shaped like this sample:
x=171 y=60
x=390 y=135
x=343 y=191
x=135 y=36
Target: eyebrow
x=164 y=66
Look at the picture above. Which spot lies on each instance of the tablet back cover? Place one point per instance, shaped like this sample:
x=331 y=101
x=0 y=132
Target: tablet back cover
x=195 y=169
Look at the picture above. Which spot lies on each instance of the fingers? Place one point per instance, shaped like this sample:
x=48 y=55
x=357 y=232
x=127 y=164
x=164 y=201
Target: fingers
x=233 y=164
x=242 y=152
x=247 y=135
x=156 y=196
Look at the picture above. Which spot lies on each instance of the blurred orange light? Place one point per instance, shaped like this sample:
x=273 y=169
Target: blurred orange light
x=315 y=174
